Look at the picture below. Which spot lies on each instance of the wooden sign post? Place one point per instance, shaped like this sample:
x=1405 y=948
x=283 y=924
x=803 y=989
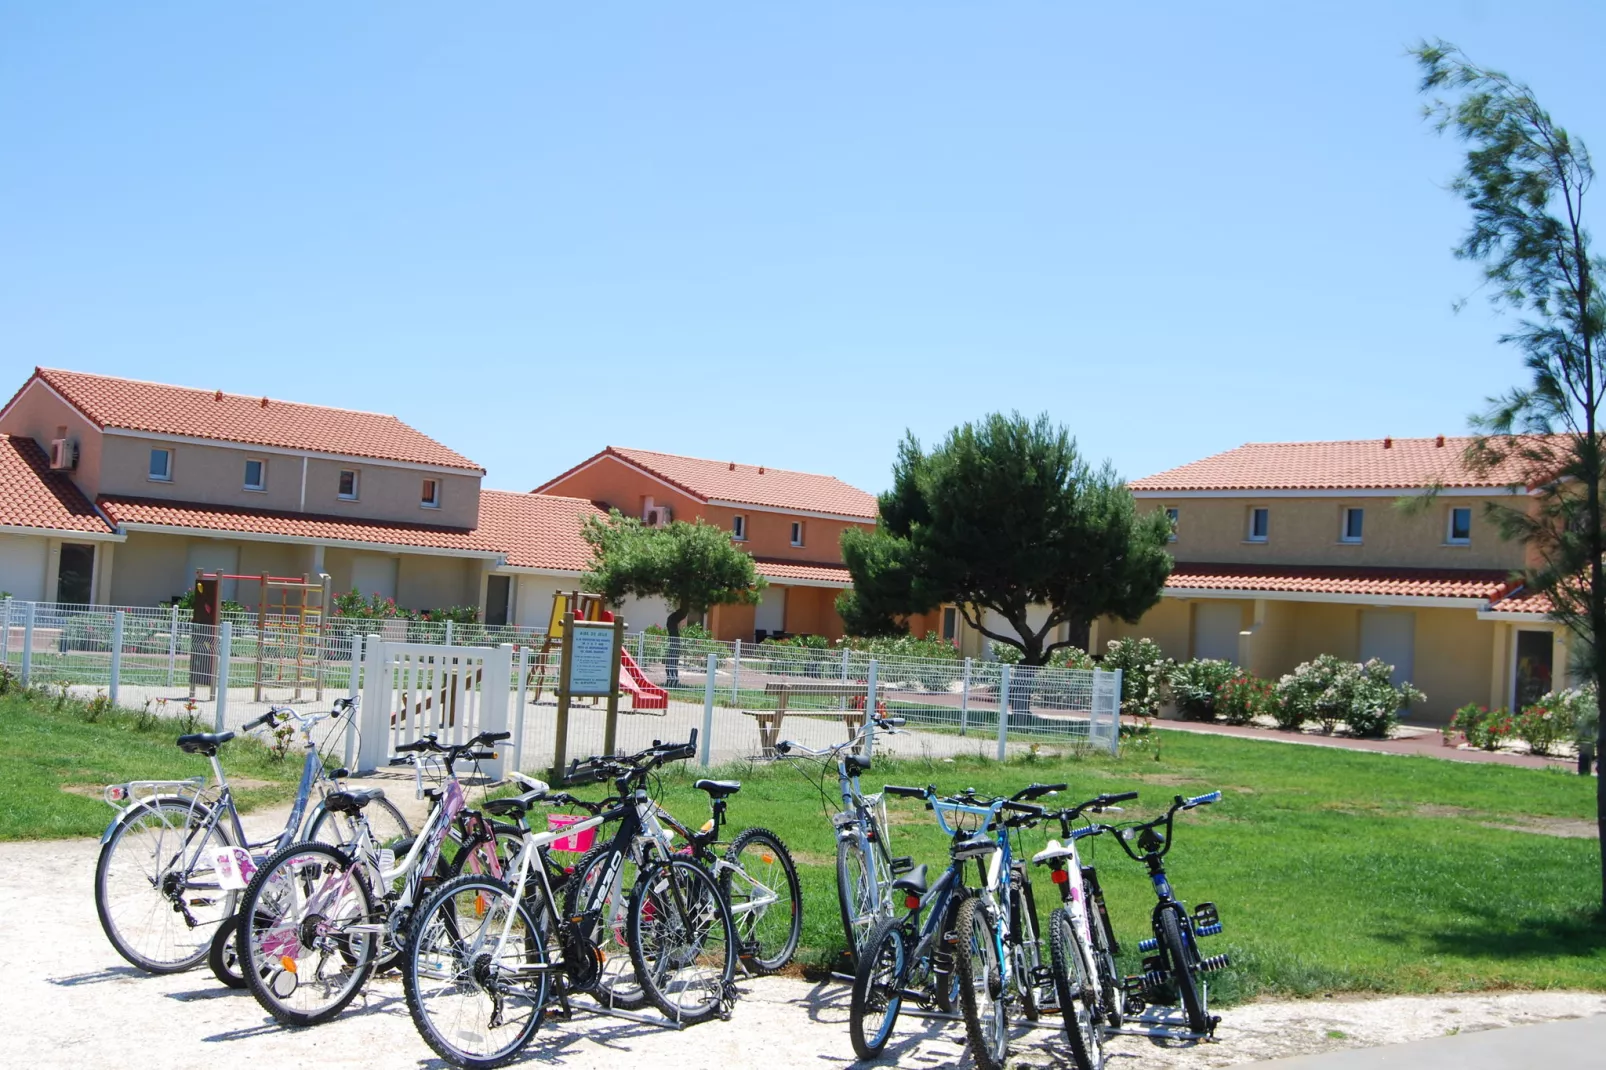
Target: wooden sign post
x=589 y=666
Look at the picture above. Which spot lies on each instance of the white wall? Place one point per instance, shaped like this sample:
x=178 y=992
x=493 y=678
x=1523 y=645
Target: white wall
x=24 y=560
x=533 y=604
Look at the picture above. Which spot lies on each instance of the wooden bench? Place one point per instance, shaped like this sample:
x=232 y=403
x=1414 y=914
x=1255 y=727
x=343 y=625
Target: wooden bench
x=769 y=721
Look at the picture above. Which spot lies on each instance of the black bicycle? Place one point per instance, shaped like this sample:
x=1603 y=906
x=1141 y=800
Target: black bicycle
x=1173 y=971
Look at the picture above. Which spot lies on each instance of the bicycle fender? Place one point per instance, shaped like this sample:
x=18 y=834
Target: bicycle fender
x=123 y=816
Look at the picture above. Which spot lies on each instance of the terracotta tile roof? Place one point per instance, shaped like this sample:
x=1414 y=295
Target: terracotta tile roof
x=1356 y=465
x=747 y=484
x=132 y=405
x=782 y=571
x=273 y=522
x=1523 y=600
x=32 y=496
x=536 y=530
x=1397 y=582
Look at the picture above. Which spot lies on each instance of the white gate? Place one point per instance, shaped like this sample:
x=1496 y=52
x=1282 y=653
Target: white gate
x=1105 y=721
x=417 y=689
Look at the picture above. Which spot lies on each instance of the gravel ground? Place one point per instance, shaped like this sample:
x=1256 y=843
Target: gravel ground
x=75 y=1003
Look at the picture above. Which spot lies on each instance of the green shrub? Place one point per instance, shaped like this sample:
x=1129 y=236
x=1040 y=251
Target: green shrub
x=1483 y=728
x=1555 y=717
x=1243 y=698
x=1195 y=685
x=1332 y=691
x=1145 y=675
x=1066 y=657
x=931 y=645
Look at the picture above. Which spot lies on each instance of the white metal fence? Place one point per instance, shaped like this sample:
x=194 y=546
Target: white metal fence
x=742 y=697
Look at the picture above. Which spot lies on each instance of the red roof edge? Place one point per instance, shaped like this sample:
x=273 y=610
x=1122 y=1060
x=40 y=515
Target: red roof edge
x=609 y=451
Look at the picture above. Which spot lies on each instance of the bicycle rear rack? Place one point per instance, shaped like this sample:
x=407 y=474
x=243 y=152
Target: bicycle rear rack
x=134 y=792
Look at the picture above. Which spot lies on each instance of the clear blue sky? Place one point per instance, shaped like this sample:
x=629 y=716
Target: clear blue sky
x=779 y=236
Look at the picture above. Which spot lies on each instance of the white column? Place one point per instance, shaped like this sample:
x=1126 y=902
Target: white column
x=172 y=644
x=707 y=749
x=1003 y=710
x=376 y=731
x=964 y=699
x=518 y=713
x=736 y=674
x=448 y=633
x=494 y=693
x=5 y=631
x=117 y=656
x=27 y=644
x=225 y=638
x=1115 y=717
x=869 y=710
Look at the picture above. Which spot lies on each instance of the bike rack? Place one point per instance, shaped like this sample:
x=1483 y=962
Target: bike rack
x=1168 y=1023
x=591 y=1005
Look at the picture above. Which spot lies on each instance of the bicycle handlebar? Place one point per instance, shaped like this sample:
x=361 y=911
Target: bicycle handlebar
x=1199 y=800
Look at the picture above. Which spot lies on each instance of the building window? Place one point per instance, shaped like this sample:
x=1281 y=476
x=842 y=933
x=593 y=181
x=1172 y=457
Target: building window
x=1171 y=515
x=431 y=496
x=348 y=484
x=1259 y=524
x=739 y=528
x=256 y=474
x=162 y=466
x=1354 y=521
x=950 y=624
x=1460 y=533
x=797 y=533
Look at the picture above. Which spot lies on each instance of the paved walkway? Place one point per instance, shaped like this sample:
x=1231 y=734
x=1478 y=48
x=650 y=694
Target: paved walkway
x=1415 y=740
x=1579 y=1044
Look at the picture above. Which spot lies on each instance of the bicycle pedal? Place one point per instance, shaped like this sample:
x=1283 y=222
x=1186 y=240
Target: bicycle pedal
x=902 y=864
x=1042 y=975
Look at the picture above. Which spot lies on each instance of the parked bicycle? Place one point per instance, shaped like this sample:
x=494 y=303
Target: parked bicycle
x=1173 y=971
x=1081 y=944
x=865 y=865
x=158 y=889
x=317 y=920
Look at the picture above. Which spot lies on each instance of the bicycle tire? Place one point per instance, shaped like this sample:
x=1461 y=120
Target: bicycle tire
x=387 y=831
x=853 y=894
x=271 y=950
x=771 y=946
x=224 y=955
x=437 y=940
x=682 y=940
x=1071 y=989
x=1113 y=998
x=617 y=984
x=948 y=995
x=870 y=983
x=1182 y=979
x=171 y=945
x=1027 y=949
x=980 y=971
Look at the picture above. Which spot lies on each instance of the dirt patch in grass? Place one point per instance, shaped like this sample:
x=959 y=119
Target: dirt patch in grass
x=1571 y=828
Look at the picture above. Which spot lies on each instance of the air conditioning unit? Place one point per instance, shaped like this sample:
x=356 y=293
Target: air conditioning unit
x=659 y=516
x=63 y=454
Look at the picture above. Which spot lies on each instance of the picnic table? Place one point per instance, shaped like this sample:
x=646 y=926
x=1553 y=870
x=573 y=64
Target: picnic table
x=769 y=721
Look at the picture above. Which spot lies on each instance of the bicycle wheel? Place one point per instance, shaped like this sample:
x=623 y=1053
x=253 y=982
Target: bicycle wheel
x=1073 y=989
x=1112 y=993
x=854 y=895
x=224 y=954
x=158 y=900
x=878 y=989
x=765 y=901
x=475 y=998
x=306 y=935
x=682 y=940
x=617 y=985
x=1027 y=951
x=981 y=985
x=1181 y=969
x=385 y=823
x=946 y=981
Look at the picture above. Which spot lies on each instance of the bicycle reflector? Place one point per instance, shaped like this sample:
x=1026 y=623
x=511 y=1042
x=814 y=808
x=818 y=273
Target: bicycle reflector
x=117 y=793
x=911 y=902
x=1059 y=876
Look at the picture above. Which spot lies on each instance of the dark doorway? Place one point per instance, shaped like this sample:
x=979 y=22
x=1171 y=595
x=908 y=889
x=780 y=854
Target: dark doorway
x=1535 y=661
x=73 y=582
x=498 y=595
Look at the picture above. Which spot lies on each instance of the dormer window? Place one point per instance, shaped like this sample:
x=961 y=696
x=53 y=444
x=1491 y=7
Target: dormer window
x=431 y=495
x=797 y=533
x=739 y=528
x=348 y=485
x=1459 y=532
x=161 y=470
x=256 y=474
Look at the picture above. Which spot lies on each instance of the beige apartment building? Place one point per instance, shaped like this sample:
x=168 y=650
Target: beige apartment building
x=1289 y=550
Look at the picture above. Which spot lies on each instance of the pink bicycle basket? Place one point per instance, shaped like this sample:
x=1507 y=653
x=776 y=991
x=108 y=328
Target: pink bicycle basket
x=579 y=842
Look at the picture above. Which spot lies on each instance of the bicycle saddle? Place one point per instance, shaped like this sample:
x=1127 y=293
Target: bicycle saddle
x=205 y=743
x=718 y=789
x=1053 y=850
x=514 y=805
x=856 y=763
x=349 y=802
x=913 y=882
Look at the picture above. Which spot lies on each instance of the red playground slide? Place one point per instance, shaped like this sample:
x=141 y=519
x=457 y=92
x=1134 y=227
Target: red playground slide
x=644 y=694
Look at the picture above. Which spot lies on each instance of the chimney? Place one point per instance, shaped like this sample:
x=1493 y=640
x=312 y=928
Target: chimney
x=264 y=402
x=733 y=466
x=760 y=469
x=218 y=396
x=1388 y=443
x=1438 y=443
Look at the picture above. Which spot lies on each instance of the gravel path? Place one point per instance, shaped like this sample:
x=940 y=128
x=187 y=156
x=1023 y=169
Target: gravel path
x=75 y=1003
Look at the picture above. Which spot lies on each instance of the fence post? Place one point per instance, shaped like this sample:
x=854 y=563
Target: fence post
x=27 y=644
x=1115 y=717
x=5 y=632
x=117 y=656
x=964 y=699
x=353 y=689
x=172 y=645
x=736 y=674
x=518 y=714
x=708 y=710
x=448 y=633
x=1003 y=710
x=869 y=709
x=225 y=639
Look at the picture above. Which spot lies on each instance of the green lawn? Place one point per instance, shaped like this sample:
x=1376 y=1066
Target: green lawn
x=1333 y=870
x=54 y=761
